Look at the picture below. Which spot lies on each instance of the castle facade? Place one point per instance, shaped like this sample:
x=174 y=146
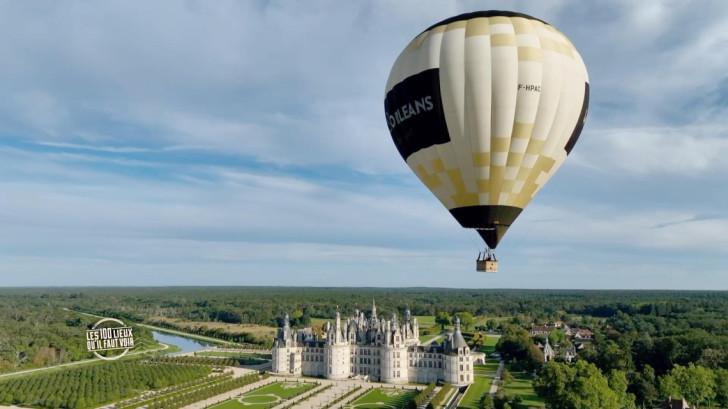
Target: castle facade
x=373 y=348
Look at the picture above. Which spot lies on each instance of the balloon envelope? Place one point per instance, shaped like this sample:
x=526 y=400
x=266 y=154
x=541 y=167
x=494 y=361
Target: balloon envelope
x=484 y=107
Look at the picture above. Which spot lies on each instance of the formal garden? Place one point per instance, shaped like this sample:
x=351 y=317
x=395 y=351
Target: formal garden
x=266 y=396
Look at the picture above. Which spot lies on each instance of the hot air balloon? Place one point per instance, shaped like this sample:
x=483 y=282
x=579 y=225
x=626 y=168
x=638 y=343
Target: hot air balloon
x=484 y=107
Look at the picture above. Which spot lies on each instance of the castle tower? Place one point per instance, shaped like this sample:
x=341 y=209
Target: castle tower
x=337 y=352
x=286 y=355
x=458 y=367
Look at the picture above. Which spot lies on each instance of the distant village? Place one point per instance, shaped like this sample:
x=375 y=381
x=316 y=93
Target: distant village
x=567 y=346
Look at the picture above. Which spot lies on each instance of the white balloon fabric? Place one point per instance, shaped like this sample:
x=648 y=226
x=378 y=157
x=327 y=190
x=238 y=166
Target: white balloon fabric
x=484 y=107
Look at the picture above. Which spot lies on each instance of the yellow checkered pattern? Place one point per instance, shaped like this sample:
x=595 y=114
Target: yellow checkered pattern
x=501 y=169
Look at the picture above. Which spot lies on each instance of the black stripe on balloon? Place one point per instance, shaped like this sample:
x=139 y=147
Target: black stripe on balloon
x=580 y=123
x=491 y=221
x=483 y=13
x=414 y=113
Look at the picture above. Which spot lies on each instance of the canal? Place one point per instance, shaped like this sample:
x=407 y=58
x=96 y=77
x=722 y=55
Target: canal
x=185 y=344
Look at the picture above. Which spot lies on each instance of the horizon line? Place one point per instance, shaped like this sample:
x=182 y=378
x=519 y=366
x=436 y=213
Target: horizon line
x=352 y=287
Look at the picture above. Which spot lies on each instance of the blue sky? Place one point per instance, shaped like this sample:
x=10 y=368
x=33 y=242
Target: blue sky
x=244 y=143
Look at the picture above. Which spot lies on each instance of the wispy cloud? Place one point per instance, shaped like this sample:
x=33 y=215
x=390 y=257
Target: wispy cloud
x=246 y=140
x=661 y=151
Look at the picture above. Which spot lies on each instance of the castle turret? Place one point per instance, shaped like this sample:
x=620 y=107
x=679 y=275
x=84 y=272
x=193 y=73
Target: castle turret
x=337 y=328
x=286 y=357
x=336 y=361
x=458 y=366
x=388 y=333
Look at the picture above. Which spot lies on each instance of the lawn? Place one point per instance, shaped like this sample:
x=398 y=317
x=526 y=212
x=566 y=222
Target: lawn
x=319 y=322
x=487 y=370
x=489 y=345
x=426 y=321
x=428 y=337
x=229 y=404
x=384 y=398
x=266 y=396
x=522 y=385
x=475 y=391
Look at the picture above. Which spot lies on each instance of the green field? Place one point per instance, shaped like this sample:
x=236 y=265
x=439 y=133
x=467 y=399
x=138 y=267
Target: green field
x=488 y=370
x=384 y=398
x=489 y=345
x=266 y=396
x=522 y=385
x=429 y=337
x=481 y=386
x=426 y=321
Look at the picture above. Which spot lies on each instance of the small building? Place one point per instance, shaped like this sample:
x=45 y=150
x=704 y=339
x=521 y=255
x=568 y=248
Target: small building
x=540 y=330
x=548 y=352
x=580 y=334
x=478 y=358
x=546 y=329
x=671 y=403
x=569 y=353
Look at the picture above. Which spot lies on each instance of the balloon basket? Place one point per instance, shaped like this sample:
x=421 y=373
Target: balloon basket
x=487 y=266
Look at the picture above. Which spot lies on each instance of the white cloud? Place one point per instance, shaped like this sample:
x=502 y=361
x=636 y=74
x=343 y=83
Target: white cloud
x=656 y=229
x=269 y=79
x=105 y=88
x=691 y=150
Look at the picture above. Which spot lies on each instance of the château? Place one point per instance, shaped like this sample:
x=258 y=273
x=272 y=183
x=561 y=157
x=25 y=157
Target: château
x=373 y=348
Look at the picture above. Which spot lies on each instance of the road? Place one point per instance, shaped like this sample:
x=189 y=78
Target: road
x=498 y=373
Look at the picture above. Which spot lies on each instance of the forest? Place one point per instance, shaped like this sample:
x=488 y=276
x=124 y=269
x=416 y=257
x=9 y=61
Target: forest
x=646 y=344
x=36 y=331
